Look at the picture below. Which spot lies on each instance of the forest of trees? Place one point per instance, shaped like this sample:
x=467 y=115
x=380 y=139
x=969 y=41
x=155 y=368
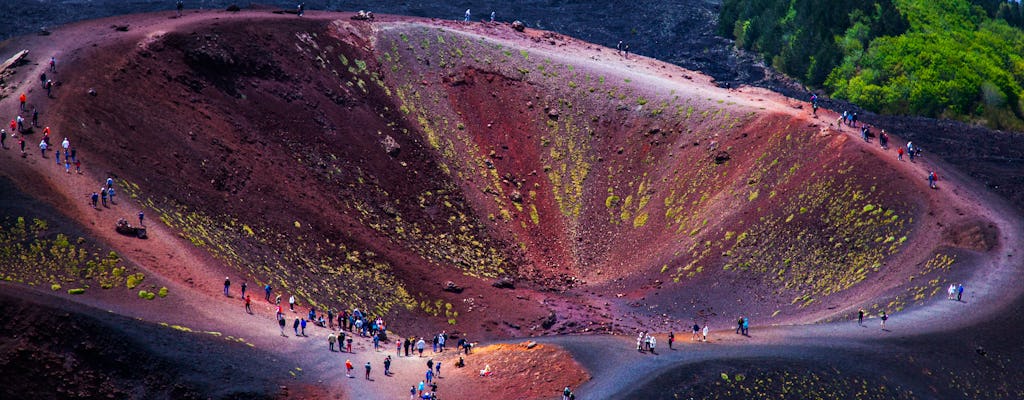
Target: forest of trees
x=957 y=59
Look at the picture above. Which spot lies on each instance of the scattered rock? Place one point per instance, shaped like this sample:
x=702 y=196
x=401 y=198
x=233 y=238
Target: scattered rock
x=516 y=197
x=450 y=286
x=518 y=26
x=531 y=344
x=92 y=92
x=553 y=113
x=120 y=28
x=504 y=283
x=391 y=146
x=363 y=16
x=721 y=157
x=548 y=322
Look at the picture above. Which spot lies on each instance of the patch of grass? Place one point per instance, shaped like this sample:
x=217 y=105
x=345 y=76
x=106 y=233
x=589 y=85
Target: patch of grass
x=76 y=291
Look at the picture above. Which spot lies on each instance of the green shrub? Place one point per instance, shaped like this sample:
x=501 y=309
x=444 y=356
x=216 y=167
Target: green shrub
x=76 y=291
x=134 y=280
x=55 y=287
x=163 y=292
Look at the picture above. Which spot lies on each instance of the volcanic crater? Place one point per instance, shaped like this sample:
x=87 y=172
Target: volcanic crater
x=375 y=164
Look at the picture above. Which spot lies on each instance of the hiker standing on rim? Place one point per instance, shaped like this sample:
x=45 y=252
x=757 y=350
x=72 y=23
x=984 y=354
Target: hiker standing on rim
x=227 y=286
x=466 y=19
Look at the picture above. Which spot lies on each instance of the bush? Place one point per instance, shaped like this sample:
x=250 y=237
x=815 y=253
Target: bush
x=76 y=291
x=163 y=292
x=146 y=295
x=134 y=280
x=55 y=287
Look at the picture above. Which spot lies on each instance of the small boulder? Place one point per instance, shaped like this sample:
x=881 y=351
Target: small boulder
x=531 y=344
x=548 y=322
x=450 y=286
x=233 y=8
x=519 y=26
x=516 y=197
x=391 y=146
x=721 y=157
x=504 y=283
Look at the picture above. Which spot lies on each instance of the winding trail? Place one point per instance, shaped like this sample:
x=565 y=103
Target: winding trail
x=194 y=279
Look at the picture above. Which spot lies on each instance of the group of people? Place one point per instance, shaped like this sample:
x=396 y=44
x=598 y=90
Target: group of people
x=743 y=326
x=850 y=119
x=955 y=292
x=646 y=342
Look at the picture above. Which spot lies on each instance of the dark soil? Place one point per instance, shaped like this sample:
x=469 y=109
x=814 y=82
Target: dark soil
x=59 y=349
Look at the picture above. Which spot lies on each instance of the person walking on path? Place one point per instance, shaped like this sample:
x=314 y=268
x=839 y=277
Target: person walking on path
x=387 y=366
x=959 y=292
x=301 y=9
x=492 y=16
x=407 y=344
x=348 y=368
x=671 y=338
x=103 y=196
x=53 y=64
x=694 y=332
x=437 y=369
x=141 y=218
x=931 y=179
x=22 y=99
x=180 y=6
x=42 y=148
x=746 y=326
x=367 y=370
x=266 y=292
x=466 y=19
x=295 y=327
x=739 y=325
x=78 y=166
x=248 y=304
x=291 y=303
x=398 y=348
x=227 y=287
x=885 y=317
x=899 y=154
x=430 y=375
x=3 y=139
x=705 y=339
x=420 y=346
x=348 y=344
x=860 y=317
x=302 y=325
x=281 y=323
x=244 y=286
x=330 y=340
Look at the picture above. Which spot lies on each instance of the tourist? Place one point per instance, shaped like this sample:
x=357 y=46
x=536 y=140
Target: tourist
x=885 y=317
x=280 y=321
x=227 y=286
x=248 y=304
x=367 y=370
x=959 y=292
x=705 y=333
x=860 y=317
x=348 y=368
x=671 y=338
x=420 y=346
